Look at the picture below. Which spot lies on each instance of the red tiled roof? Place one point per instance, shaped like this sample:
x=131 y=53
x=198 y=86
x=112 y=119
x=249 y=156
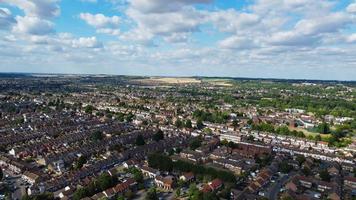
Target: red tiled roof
x=215 y=184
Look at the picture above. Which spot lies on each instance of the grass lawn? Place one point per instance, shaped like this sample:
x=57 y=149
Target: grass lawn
x=308 y=133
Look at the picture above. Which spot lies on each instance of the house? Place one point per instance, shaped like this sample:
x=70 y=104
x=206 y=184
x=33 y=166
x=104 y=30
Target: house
x=67 y=191
x=187 y=177
x=98 y=196
x=131 y=163
x=230 y=137
x=165 y=182
x=113 y=171
x=150 y=172
x=292 y=185
x=305 y=182
x=350 y=182
x=215 y=184
x=324 y=186
x=334 y=196
x=334 y=169
x=30 y=177
x=109 y=193
x=124 y=186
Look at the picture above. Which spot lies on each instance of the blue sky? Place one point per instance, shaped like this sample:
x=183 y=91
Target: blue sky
x=237 y=38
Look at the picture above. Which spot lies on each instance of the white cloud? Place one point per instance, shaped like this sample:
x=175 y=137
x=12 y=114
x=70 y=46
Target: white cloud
x=100 y=20
x=236 y=42
x=233 y=21
x=324 y=24
x=37 y=8
x=33 y=26
x=163 y=6
x=103 y=24
x=351 y=8
x=172 y=20
x=38 y=14
x=351 y=38
x=86 y=42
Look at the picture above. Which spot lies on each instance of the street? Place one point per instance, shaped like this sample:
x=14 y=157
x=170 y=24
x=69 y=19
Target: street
x=273 y=192
x=15 y=184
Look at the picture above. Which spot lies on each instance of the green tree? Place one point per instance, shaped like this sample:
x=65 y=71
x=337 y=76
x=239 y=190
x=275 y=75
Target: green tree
x=188 y=124
x=158 y=135
x=324 y=175
x=285 y=168
x=194 y=193
x=224 y=142
x=195 y=143
x=105 y=181
x=138 y=176
x=318 y=137
x=151 y=194
x=129 y=194
x=80 y=162
x=306 y=171
x=80 y=193
x=1 y=174
x=235 y=124
x=323 y=128
x=200 y=124
x=300 y=159
x=210 y=196
x=179 y=123
x=88 y=109
x=178 y=192
x=97 y=135
x=140 y=140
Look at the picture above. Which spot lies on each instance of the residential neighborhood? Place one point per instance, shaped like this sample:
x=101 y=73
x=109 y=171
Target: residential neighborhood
x=83 y=137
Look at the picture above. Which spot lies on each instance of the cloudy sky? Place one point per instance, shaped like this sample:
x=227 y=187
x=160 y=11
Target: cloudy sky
x=311 y=39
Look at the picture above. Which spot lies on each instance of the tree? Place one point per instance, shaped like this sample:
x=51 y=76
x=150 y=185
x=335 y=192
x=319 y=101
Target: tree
x=129 y=194
x=138 y=176
x=97 y=135
x=129 y=117
x=178 y=192
x=194 y=192
x=188 y=124
x=306 y=171
x=300 y=159
x=105 y=181
x=232 y=145
x=178 y=123
x=80 y=193
x=26 y=197
x=284 y=167
x=210 y=196
x=80 y=162
x=151 y=194
x=224 y=142
x=195 y=143
x=200 y=124
x=235 y=124
x=89 y=109
x=318 y=137
x=323 y=128
x=158 y=135
x=160 y=162
x=140 y=140
x=324 y=175
x=1 y=174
